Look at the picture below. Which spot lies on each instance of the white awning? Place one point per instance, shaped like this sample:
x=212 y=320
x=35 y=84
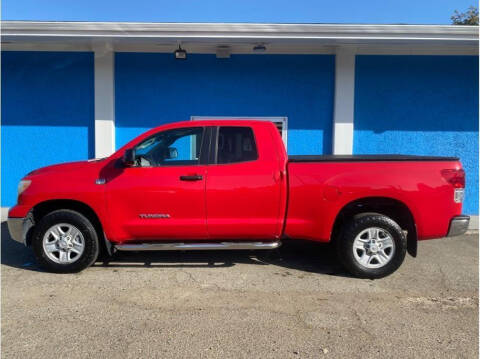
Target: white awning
x=164 y=34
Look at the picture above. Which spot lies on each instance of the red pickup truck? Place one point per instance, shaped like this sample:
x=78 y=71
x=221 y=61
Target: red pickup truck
x=229 y=184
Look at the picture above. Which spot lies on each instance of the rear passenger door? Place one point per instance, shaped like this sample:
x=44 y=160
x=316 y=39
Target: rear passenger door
x=243 y=188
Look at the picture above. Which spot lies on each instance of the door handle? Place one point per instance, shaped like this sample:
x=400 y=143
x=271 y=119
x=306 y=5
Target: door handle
x=191 y=178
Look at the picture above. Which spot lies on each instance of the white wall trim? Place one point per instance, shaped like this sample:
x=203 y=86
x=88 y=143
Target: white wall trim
x=104 y=100
x=417 y=50
x=344 y=101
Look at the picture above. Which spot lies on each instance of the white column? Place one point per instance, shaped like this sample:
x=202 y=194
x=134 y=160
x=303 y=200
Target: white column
x=344 y=101
x=104 y=100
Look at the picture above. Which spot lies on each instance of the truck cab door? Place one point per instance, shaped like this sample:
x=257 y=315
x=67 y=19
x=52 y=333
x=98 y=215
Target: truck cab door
x=244 y=185
x=161 y=196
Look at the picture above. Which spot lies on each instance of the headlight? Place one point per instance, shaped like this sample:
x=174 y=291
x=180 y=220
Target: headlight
x=23 y=185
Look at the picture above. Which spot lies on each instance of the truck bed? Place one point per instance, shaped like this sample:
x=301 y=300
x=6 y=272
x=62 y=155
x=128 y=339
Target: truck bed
x=367 y=158
x=319 y=187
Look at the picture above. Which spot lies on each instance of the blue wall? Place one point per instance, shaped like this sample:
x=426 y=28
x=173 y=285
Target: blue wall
x=420 y=105
x=403 y=104
x=152 y=89
x=47 y=113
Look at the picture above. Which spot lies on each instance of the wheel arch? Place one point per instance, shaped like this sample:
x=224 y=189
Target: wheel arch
x=41 y=209
x=390 y=207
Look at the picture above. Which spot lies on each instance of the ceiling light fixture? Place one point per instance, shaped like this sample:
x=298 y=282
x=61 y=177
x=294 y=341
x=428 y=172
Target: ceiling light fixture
x=180 y=54
x=223 y=52
x=259 y=48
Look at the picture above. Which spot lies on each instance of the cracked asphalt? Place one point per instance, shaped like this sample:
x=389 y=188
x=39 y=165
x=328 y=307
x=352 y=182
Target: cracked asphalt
x=296 y=302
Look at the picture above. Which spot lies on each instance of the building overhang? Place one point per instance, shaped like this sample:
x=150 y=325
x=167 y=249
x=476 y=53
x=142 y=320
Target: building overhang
x=204 y=37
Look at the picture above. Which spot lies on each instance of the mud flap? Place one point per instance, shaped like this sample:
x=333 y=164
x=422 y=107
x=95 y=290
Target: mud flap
x=108 y=245
x=412 y=244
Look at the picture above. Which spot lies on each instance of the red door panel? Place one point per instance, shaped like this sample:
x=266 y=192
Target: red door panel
x=161 y=195
x=243 y=198
x=154 y=203
x=240 y=205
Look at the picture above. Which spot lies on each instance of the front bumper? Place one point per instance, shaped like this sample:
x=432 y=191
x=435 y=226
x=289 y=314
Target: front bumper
x=19 y=227
x=458 y=225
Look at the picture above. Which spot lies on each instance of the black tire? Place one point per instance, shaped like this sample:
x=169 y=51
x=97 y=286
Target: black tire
x=91 y=246
x=353 y=228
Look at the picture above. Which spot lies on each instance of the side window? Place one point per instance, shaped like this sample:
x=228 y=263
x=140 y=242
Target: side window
x=236 y=144
x=178 y=147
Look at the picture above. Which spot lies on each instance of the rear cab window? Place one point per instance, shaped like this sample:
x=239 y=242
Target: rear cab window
x=236 y=144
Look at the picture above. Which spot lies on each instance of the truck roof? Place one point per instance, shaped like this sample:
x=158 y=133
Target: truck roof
x=367 y=158
x=220 y=122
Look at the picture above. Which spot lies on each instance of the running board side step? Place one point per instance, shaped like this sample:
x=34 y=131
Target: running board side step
x=181 y=246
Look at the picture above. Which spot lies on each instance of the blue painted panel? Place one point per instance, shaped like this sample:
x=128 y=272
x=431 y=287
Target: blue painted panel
x=47 y=112
x=153 y=89
x=420 y=105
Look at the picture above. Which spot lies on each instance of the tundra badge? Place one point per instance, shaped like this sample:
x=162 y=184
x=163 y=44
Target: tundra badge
x=153 y=215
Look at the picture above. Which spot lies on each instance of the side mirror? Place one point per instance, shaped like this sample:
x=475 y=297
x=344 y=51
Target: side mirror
x=129 y=158
x=172 y=153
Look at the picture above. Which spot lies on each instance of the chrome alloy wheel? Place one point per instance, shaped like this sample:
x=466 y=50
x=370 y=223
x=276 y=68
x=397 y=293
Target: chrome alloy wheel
x=63 y=243
x=373 y=247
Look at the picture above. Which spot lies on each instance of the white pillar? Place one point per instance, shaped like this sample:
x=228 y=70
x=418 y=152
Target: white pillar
x=104 y=100
x=344 y=101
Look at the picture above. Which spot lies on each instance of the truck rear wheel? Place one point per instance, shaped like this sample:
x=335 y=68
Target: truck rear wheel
x=372 y=246
x=64 y=241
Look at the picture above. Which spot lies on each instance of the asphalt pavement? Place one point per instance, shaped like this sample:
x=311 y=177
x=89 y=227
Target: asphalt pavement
x=295 y=302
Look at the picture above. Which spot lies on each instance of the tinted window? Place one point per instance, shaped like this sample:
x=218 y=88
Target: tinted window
x=236 y=144
x=178 y=147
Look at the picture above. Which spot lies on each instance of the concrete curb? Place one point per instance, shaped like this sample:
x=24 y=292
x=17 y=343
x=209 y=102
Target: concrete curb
x=473 y=223
x=4 y=213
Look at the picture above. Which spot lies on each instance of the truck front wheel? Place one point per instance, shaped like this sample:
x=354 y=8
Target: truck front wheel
x=64 y=241
x=372 y=246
